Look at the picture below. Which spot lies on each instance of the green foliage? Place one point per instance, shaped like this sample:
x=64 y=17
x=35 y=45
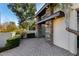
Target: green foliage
x=24 y=25
x=19 y=31
x=32 y=25
x=13 y=42
x=24 y=11
x=23 y=34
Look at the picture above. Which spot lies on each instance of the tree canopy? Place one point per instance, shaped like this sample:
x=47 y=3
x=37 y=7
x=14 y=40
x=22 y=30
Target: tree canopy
x=8 y=27
x=24 y=11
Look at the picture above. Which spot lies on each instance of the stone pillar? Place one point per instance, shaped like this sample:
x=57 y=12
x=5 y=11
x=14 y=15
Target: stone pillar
x=38 y=28
x=49 y=26
x=47 y=36
x=51 y=30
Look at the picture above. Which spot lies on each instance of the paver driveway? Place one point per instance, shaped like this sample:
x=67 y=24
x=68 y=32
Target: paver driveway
x=35 y=47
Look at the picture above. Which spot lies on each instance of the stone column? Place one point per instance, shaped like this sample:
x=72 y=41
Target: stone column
x=38 y=28
x=47 y=36
x=49 y=26
x=51 y=30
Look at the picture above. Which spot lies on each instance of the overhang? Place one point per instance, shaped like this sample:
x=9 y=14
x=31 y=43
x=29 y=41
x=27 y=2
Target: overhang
x=57 y=14
x=43 y=7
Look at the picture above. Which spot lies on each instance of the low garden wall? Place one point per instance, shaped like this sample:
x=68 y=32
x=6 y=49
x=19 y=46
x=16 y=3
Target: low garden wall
x=4 y=37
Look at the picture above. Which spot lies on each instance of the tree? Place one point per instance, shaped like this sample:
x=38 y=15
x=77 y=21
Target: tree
x=24 y=11
x=32 y=25
x=24 y=25
x=11 y=26
x=8 y=27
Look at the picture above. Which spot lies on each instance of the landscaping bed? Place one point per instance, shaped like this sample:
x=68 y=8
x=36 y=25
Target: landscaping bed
x=11 y=43
x=14 y=41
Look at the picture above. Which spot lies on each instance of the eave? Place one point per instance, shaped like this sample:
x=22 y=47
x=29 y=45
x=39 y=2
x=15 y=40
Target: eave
x=57 y=14
x=43 y=7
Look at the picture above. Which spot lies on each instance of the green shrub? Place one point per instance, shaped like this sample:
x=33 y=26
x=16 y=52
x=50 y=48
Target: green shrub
x=13 y=42
x=4 y=49
x=19 y=31
x=23 y=34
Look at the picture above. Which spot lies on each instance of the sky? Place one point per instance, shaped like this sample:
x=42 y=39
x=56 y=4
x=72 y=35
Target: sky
x=6 y=15
x=39 y=5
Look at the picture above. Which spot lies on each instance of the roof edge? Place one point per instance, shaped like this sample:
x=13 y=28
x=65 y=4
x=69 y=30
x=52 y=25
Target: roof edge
x=42 y=8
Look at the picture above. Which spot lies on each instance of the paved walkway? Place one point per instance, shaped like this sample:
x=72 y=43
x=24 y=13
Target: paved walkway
x=35 y=47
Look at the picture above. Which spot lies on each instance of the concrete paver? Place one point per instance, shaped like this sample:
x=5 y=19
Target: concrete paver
x=36 y=47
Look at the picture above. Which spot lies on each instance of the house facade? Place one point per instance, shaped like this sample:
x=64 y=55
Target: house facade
x=51 y=23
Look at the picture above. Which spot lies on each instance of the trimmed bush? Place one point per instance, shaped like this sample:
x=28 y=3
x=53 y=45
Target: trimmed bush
x=23 y=34
x=11 y=43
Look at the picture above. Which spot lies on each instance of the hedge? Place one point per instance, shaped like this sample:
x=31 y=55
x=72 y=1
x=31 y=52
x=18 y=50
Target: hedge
x=14 y=42
x=11 y=43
